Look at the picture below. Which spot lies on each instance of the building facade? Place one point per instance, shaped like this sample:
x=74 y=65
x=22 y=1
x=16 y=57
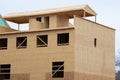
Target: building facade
x=55 y=49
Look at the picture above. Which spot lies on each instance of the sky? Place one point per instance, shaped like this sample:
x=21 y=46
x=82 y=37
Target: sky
x=107 y=10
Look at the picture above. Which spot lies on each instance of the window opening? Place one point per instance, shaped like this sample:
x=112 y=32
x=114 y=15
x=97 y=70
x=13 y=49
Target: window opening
x=71 y=21
x=5 y=71
x=63 y=39
x=21 y=42
x=57 y=69
x=3 y=43
x=39 y=19
x=95 y=42
x=42 y=40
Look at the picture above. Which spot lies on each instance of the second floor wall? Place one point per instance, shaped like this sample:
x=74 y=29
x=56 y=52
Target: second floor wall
x=39 y=41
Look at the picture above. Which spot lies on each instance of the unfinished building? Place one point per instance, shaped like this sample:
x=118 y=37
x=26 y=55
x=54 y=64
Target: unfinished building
x=55 y=49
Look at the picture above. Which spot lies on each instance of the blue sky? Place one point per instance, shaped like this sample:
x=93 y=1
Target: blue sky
x=108 y=10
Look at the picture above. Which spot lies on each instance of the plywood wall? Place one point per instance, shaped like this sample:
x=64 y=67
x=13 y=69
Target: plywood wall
x=36 y=25
x=36 y=62
x=94 y=62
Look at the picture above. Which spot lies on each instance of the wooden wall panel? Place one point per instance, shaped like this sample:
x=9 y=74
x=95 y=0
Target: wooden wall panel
x=94 y=60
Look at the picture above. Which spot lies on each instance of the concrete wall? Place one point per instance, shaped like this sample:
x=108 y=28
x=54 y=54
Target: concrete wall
x=94 y=63
x=35 y=63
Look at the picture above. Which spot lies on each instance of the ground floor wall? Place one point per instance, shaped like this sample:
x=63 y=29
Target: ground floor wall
x=67 y=76
x=89 y=76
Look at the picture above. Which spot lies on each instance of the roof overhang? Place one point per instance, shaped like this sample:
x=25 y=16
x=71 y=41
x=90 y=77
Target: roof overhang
x=23 y=17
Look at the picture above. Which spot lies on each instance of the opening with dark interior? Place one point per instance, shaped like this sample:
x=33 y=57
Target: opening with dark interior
x=58 y=69
x=95 y=42
x=42 y=40
x=5 y=71
x=63 y=39
x=21 y=42
x=3 y=43
x=39 y=19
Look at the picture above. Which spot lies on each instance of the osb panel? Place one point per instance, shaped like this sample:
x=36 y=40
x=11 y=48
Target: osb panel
x=90 y=59
x=22 y=76
x=84 y=76
x=79 y=76
x=67 y=76
x=38 y=57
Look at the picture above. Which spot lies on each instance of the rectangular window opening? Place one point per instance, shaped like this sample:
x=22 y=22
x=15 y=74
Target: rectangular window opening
x=5 y=71
x=21 y=42
x=39 y=19
x=95 y=42
x=3 y=43
x=57 y=69
x=5 y=66
x=42 y=40
x=63 y=39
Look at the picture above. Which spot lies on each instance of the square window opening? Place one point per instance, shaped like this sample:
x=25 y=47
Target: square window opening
x=42 y=40
x=63 y=39
x=3 y=43
x=21 y=42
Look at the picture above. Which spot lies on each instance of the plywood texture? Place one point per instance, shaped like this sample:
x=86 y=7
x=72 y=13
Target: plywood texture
x=55 y=21
x=82 y=60
x=97 y=60
x=67 y=76
x=38 y=60
x=89 y=76
x=23 y=17
x=34 y=24
x=20 y=76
